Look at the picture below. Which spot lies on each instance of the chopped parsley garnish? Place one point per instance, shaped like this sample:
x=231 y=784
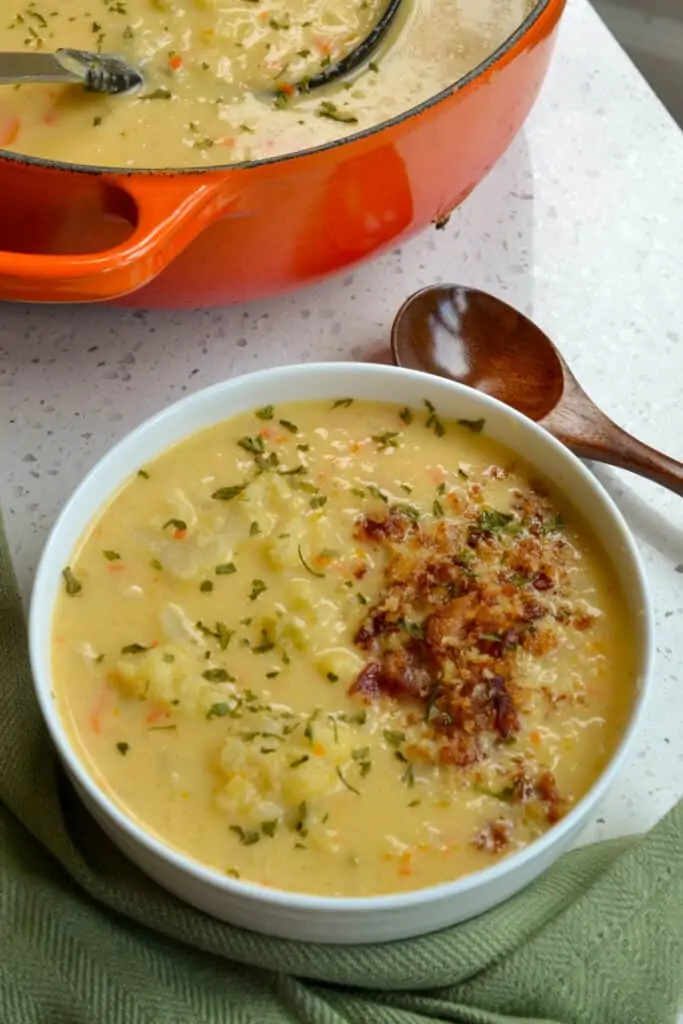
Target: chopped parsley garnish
x=123 y=748
x=356 y=718
x=206 y=586
x=318 y=501
x=227 y=569
x=288 y=425
x=303 y=447
x=406 y=415
x=232 y=872
x=362 y=756
x=344 y=782
x=437 y=509
x=493 y=521
x=394 y=737
x=342 y=403
x=265 y=644
x=112 y=556
x=408 y=776
x=299 y=761
x=258 y=587
x=405 y=509
x=134 y=649
x=253 y=445
x=156 y=564
x=72 y=585
x=218 y=711
x=433 y=421
x=162 y=728
x=246 y=838
x=333 y=677
x=254 y=530
x=387 y=439
x=217 y=675
x=441 y=489
x=228 y=493
x=143 y=474
x=266 y=413
x=333 y=113
x=462 y=474
x=476 y=426
x=269 y=828
x=177 y=524
x=554 y=524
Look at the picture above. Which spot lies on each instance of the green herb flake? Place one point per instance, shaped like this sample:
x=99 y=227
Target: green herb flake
x=219 y=710
x=134 y=649
x=232 y=872
x=441 y=489
x=414 y=803
x=433 y=421
x=299 y=761
x=269 y=828
x=462 y=474
x=318 y=502
x=72 y=585
x=342 y=403
x=253 y=445
x=394 y=737
x=254 y=530
x=493 y=521
x=217 y=675
x=437 y=509
x=303 y=447
x=409 y=776
x=143 y=474
x=226 y=569
x=112 y=556
x=123 y=748
x=386 y=440
x=288 y=425
x=223 y=635
x=266 y=413
x=554 y=525
x=156 y=565
x=228 y=493
x=333 y=113
x=265 y=644
x=406 y=415
x=177 y=524
x=162 y=728
x=258 y=587
x=247 y=838
x=344 y=782
x=476 y=426
x=206 y=586
x=333 y=677
x=405 y=509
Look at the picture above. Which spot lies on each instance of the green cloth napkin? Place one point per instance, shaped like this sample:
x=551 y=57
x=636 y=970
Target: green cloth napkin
x=85 y=938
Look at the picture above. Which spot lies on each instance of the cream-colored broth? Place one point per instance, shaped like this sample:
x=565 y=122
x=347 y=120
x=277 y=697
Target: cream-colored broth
x=205 y=653
x=218 y=74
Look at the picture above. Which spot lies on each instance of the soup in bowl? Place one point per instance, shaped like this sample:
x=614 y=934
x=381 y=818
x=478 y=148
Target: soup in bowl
x=337 y=667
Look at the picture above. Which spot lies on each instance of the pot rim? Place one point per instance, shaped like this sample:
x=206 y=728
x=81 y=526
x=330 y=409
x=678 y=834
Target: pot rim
x=120 y=459
x=541 y=7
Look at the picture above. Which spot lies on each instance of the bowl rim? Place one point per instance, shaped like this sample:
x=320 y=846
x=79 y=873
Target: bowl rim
x=505 y=48
x=42 y=607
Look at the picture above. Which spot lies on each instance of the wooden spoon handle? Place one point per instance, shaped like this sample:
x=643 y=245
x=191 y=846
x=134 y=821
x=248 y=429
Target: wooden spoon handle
x=579 y=424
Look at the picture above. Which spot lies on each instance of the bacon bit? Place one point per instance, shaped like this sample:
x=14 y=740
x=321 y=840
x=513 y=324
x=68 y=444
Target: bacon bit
x=360 y=570
x=461 y=751
x=583 y=622
x=547 y=787
x=367 y=683
x=179 y=534
x=446 y=626
x=393 y=526
x=156 y=713
x=494 y=837
x=175 y=62
x=541 y=581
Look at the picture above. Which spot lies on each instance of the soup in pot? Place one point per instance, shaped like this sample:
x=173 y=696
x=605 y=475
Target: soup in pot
x=221 y=76
x=342 y=648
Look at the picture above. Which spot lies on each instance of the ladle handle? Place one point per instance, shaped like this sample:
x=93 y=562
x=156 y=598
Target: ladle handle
x=581 y=426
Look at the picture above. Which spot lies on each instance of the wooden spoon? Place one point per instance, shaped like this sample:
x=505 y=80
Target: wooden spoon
x=476 y=339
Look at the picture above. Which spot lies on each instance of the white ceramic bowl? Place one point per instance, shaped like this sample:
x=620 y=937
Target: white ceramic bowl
x=288 y=914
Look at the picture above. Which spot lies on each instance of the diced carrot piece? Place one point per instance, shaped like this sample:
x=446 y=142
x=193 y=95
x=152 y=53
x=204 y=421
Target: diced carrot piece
x=9 y=129
x=179 y=534
x=324 y=46
x=535 y=737
x=156 y=714
x=175 y=62
x=116 y=567
x=318 y=749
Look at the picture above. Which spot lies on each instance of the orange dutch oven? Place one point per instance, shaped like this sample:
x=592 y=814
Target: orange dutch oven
x=229 y=234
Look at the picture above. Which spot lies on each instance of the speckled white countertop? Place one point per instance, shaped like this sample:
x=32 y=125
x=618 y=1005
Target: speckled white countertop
x=580 y=226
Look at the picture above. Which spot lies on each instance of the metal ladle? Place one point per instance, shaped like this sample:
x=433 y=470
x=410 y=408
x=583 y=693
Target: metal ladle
x=98 y=72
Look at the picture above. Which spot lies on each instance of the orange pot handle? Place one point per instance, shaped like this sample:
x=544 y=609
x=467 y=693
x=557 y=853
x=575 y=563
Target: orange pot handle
x=168 y=213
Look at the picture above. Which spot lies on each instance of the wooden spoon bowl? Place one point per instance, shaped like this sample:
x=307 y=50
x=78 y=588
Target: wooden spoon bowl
x=477 y=339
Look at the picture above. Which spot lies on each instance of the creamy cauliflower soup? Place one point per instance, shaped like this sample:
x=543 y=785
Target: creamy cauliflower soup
x=225 y=80
x=343 y=648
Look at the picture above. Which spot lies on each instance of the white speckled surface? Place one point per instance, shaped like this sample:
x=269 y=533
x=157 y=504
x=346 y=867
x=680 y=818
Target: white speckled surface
x=581 y=226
